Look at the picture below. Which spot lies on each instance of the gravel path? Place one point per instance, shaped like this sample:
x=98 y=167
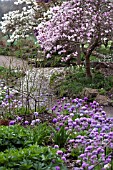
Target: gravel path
x=13 y=62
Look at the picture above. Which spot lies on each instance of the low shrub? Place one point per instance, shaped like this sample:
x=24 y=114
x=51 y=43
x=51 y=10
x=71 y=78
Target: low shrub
x=19 y=137
x=31 y=158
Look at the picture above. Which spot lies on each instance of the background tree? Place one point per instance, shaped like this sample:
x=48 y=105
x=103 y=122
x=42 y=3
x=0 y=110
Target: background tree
x=8 y=5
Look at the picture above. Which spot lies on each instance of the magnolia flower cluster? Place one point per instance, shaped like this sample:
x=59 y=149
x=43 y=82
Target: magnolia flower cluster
x=78 y=22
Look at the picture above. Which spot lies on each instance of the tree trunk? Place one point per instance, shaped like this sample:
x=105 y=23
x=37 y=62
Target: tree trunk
x=78 y=54
x=87 y=62
x=88 y=53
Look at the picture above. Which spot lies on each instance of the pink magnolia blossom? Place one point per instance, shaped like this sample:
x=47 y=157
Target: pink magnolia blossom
x=79 y=20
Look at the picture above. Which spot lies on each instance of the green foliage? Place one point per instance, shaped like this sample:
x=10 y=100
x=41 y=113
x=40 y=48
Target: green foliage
x=20 y=48
x=31 y=158
x=2 y=69
x=8 y=73
x=19 y=137
x=42 y=134
x=75 y=152
x=105 y=49
x=54 y=61
x=22 y=111
x=41 y=109
x=75 y=80
x=2 y=95
x=3 y=51
x=60 y=137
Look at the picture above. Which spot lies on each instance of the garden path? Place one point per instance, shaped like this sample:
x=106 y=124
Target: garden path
x=38 y=79
x=13 y=62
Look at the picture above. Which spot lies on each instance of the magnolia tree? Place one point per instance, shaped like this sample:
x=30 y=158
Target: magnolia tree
x=22 y=23
x=82 y=22
x=17 y=23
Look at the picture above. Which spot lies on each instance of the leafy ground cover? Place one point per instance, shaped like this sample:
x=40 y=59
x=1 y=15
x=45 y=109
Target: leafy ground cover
x=33 y=157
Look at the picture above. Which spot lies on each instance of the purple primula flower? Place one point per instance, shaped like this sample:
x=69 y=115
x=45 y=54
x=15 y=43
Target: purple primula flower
x=71 y=141
x=53 y=161
x=57 y=128
x=26 y=122
x=76 y=168
x=7 y=96
x=59 y=152
x=33 y=122
x=66 y=128
x=54 y=120
x=54 y=108
x=85 y=98
x=57 y=168
x=63 y=158
x=91 y=167
x=37 y=120
x=82 y=156
x=74 y=101
x=65 y=107
x=35 y=114
x=100 y=150
x=18 y=118
x=61 y=124
x=56 y=146
x=12 y=122
x=84 y=165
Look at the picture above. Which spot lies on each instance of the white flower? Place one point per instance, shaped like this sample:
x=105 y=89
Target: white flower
x=48 y=56
x=107 y=166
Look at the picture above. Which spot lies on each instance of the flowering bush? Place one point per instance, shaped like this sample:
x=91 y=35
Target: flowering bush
x=21 y=23
x=76 y=22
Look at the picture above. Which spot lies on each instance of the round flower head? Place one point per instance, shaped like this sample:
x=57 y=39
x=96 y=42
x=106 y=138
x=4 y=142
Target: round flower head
x=35 y=114
x=18 y=118
x=26 y=122
x=12 y=122
x=57 y=168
